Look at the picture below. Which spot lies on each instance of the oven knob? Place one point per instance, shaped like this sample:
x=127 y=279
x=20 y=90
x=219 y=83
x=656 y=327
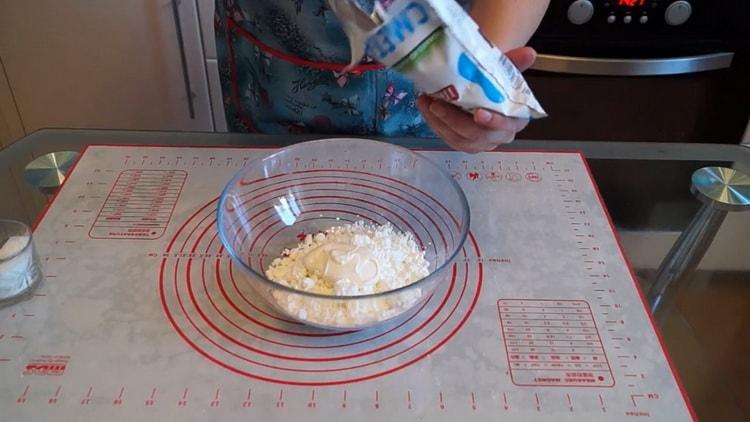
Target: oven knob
x=678 y=13
x=580 y=12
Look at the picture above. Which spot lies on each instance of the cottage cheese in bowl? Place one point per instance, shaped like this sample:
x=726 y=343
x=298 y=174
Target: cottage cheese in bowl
x=350 y=260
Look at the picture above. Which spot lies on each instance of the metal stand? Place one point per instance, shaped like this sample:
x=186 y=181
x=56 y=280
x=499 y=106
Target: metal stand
x=721 y=190
x=48 y=172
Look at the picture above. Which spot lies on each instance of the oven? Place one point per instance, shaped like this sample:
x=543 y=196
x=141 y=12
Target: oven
x=643 y=70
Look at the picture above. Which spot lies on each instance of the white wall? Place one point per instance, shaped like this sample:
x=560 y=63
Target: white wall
x=104 y=64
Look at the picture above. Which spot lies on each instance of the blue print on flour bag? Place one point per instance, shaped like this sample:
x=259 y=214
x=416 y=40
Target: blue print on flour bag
x=406 y=26
x=439 y=47
x=472 y=73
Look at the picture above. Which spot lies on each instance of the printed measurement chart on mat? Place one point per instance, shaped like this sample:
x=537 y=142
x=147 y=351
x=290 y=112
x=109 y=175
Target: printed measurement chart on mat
x=142 y=316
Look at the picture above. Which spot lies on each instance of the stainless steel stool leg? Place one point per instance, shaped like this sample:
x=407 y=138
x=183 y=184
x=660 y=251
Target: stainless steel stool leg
x=721 y=190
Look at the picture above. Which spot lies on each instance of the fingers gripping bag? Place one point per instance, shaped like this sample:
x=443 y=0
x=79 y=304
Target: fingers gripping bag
x=437 y=45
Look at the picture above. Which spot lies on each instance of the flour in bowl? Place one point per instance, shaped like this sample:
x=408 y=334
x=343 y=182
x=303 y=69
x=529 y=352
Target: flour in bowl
x=350 y=260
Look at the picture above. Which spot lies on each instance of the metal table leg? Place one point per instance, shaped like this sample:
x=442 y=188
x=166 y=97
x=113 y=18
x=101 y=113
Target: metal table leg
x=721 y=190
x=48 y=172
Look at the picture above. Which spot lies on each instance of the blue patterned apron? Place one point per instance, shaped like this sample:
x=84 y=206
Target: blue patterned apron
x=281 y=66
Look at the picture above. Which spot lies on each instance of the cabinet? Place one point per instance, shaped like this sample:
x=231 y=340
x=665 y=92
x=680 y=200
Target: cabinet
x=10 y=121
x=137 y=64
x=206 y=12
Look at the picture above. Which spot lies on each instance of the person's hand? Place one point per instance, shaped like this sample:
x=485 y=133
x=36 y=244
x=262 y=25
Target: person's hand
x=481 y=131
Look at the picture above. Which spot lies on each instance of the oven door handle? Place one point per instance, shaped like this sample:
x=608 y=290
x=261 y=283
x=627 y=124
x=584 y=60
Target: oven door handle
x=632 y=67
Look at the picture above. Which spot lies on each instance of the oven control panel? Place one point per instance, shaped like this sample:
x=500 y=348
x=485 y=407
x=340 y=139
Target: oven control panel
x=630 y=12
x=643 y=28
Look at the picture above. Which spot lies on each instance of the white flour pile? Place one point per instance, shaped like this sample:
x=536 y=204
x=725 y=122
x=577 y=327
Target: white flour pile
x=350 y=260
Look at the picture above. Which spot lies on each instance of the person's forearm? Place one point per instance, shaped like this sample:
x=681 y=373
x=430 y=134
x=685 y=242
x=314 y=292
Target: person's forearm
x=508 y=23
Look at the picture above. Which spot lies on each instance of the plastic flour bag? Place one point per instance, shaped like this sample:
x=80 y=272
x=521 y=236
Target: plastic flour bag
x=439 y=47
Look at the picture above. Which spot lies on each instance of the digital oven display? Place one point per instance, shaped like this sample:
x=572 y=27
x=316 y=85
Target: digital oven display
x=631 y=3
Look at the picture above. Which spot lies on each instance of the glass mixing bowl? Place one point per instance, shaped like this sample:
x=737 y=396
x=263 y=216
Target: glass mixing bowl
x=274 y=202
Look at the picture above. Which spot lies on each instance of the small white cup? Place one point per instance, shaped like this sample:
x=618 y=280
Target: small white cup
x=19 y=264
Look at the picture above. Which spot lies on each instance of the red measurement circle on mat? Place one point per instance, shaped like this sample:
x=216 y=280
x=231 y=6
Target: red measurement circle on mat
x=215 y=310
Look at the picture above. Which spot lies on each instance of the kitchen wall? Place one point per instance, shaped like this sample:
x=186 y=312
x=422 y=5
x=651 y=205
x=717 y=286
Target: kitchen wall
x=140 y=64
x=11 y=127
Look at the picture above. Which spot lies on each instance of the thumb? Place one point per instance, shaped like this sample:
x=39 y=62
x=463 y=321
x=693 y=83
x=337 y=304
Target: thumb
x=522 y=57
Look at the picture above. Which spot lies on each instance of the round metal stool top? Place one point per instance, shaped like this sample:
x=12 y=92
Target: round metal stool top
x=50 y=170
x=722 y=188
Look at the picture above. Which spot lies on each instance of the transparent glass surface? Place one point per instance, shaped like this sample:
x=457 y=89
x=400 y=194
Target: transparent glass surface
x=646 y=187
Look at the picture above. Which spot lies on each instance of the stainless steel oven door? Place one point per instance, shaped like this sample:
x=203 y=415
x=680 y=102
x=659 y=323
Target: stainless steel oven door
x=633 y=67
x=700 y=98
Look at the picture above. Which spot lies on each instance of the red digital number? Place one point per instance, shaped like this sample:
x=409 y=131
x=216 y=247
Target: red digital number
x=631 y=3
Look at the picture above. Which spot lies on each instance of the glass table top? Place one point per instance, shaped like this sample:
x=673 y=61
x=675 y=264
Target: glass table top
x=646 y=187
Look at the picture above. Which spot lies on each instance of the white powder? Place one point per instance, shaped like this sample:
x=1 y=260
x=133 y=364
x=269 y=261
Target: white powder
x=350 y=260
x=13 y=246
x=16 y=266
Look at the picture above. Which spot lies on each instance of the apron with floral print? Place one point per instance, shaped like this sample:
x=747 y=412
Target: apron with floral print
x=281 y=65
